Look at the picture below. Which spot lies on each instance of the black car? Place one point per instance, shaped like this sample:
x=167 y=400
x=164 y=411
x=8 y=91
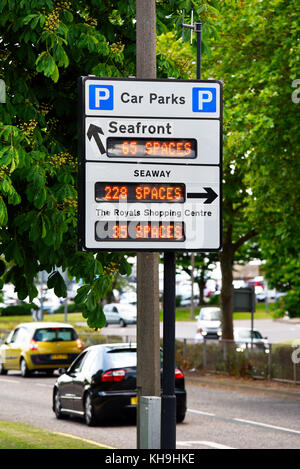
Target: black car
x=101 y=383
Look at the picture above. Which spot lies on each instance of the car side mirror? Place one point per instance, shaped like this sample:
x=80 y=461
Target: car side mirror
x=61 y=371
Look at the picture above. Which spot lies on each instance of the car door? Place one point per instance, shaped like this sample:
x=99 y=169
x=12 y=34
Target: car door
x=82 y=379
x=5 y=351
x=66 y=384
x=107 y=313
x=12 y=350
x=115 y=315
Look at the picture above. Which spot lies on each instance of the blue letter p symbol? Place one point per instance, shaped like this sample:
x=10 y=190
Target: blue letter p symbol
x=204 y=100
x=101 y=97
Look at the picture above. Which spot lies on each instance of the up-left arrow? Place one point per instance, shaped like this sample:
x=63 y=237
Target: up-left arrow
x=94 y=131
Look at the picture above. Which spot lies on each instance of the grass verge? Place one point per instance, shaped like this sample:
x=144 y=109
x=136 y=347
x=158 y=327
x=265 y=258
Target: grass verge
x=22 y=436
x=182 y=314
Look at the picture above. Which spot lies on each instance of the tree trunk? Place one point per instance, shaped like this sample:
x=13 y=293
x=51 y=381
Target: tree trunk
x=201 y=285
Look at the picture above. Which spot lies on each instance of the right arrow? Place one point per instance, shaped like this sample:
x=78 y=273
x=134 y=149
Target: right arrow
x=94 y=131
x=209 y=195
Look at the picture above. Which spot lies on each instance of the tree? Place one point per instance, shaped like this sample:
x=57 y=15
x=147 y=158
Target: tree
x=253 y=47
x=204 y=264
x=45 y=45
x=236 y=227
x=256 y=56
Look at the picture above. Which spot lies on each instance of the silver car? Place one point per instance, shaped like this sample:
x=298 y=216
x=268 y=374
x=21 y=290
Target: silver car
x=209 y=324
x=245 y=339
x=120 y=313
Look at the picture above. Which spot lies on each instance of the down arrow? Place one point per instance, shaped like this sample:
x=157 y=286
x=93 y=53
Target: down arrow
x=209 y=195
x=94 y=131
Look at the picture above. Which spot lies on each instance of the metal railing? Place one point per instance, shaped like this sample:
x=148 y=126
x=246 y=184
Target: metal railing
x=269 y=361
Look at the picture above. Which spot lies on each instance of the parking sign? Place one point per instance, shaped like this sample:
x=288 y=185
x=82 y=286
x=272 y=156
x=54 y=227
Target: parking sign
x=150 y=172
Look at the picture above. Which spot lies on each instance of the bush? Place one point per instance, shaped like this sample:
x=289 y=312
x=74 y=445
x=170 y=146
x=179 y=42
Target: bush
x=214 y=300
x=178 y=300
x=18 y=310
x=291 y=303
x=72 y=308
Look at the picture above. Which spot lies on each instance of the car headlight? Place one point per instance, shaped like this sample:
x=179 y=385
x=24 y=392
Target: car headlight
x=241 y=348
x=219 y=333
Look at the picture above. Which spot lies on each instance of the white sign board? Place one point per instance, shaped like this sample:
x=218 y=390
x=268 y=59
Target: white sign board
x=150 y=173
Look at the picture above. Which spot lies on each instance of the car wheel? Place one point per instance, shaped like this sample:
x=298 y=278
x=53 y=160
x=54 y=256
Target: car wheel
x=24 y=368
x=180 y=417
x=89 y=411
x=122 y=323
x=57 y=405
x=3 y=371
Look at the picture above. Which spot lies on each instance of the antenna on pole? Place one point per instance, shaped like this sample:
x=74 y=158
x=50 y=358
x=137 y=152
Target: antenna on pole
x=197 y=29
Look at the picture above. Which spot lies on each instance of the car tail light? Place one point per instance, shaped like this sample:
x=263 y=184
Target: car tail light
x=33 y=345
x=113 y=376
x=178 y=373
x=79 y=344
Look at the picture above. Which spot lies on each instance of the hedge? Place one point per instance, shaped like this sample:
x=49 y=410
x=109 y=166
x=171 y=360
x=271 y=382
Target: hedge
x=18 y=310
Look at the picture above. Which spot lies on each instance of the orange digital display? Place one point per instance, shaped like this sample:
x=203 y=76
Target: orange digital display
x=143 y=231
x=134 y=192
x=151 y=147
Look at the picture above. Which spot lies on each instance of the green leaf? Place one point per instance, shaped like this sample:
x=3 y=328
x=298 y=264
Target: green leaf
x=3 y=212
x=56 y=281
x=40 y=197
x=60 y=56
x=96 y=317
x=45 y=63
x=125 y=267
x=6 y=155
x=99 y=287
x=28 y=18
x=2 y=267
x=82 y=293
x=37 y=176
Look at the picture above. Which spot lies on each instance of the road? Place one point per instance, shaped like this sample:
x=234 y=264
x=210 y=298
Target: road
x=216 y=418
x=275 y=331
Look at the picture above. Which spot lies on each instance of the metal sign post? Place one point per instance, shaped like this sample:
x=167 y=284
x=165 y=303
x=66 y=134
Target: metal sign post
x=168 y=399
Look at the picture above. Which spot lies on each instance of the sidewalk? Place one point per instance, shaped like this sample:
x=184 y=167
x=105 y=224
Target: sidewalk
x=287 y=320
x=263 y=387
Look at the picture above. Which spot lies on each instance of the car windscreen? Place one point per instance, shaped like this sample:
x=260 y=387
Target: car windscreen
x=55 y=334
x=256 y=335
x=247 y=335
x=126 y=309
x=120 y=358
x=210 y=316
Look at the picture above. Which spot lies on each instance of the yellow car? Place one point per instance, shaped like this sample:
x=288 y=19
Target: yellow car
x=39 y=346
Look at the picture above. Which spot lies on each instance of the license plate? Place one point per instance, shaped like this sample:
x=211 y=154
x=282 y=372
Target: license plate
x=134 y=400
x=59 y=356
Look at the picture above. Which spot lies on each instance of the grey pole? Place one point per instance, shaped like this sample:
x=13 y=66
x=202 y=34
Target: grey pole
x=148 y=333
